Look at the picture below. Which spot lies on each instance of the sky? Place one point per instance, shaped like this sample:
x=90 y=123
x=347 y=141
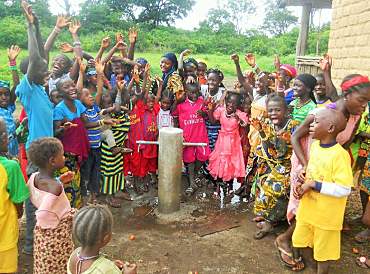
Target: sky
x=200 y=10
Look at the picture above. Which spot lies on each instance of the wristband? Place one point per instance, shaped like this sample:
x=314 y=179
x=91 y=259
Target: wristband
x=12 y=63
x=13 y=68
x=77 y=44
x=101 y=122
x=57 y=30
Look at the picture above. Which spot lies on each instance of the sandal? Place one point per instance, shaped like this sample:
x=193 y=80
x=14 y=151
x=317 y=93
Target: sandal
x=291 y=266
x=189 y=191
x=363 y=262
x=261 y=234
x=363 y=237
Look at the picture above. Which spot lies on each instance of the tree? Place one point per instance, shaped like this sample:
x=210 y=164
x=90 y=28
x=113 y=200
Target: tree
x=277 y=20
x=238 y=11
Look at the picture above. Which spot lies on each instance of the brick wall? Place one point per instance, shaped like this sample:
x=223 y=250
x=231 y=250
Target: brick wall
x=349 y=43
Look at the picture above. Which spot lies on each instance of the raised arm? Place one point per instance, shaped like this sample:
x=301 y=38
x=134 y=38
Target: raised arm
x=181 y=61
x=241 y=78
x=132 y=37
x=160 y=88
x=62 y=22
x=13 y=52
x=144 y=87
x=100 y=75
x=122 y=47
x=325 y=65
x=103 y=46
x=81 y=75
x=37 y=66
x=77 y=50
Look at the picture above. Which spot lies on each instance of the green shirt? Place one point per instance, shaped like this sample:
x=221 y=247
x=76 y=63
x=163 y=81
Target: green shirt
x=300 y=113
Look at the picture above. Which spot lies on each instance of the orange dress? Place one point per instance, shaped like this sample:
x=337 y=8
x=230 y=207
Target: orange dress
x=227 y=161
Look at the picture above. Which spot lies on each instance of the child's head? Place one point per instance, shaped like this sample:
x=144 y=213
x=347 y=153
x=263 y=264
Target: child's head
x=55 y=97
x=42 y=76
x=4 y=94
x=276 y=109
x=61 y=65
x=246 y=104
x=320 y=88
x=106 y=101
x=168 y=62
x=356 y=92
x=92 y=226
x=327 y=124
x=214 y=79
x=47 y=152
x=192 y=91
x=3 y=136
x=262 y=83
x=190 y=66
x=92 y=76
x=117 y=66
x=201 y=69
x=232 y=102
x=150 y=100
x=167 y=100
x=67 y=88
x=142 y=63
x=303 y=86
x=86 y=98
x=287 y=73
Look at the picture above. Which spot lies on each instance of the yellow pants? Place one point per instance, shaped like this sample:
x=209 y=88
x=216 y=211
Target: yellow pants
x=325 y=243
x=9 y=260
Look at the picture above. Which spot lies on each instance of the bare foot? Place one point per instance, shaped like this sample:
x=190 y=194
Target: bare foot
x=363 y=236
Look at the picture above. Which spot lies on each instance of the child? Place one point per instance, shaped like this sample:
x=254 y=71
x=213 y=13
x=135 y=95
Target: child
x=171 y=80
x=55 y=97
x=325 y=92
x=69 y=120
x=226 y=161
x=273 y=160
x=324 y=193
x=201 y=73
x=92 y=229
x=13 y=192
x=52 y=234
x=164 y=117
x=190 y=115
x=90 y=170
x=7 y=101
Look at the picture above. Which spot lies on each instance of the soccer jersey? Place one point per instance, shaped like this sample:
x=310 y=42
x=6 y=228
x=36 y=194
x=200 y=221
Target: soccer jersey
x=94 y=134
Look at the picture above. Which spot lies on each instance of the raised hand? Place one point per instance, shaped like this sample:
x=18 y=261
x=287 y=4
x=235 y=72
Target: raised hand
x=119 y=37
x=27 y=9
x=277 y=63
x=65 y=48
x=99 y=66
x=256 y=124
x=105 y=43
x=235 y=57
x=158 y=80
x=83 y=66
x=74 y=26
x=132 y=35
x=325 y=63
x=186 y=52
x=121 y=84
x=135 y=74
x=147 y=68
x=121 y=45
x=67 y=177
x=250 y=59
x=13 y=52
x=62 y=21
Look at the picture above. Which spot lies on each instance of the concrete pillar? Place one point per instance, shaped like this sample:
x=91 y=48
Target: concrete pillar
x=170 y=167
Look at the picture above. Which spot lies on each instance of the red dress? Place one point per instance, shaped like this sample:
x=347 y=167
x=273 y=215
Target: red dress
x=227 y=161
x=22 y=150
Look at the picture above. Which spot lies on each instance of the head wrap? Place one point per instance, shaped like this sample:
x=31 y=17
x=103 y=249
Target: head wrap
x=289 y=69
x=142 y=61
x=4 y=84
x=172 y=57
x=355 y=81
x=191 y=61
x=308 y=80
x=91 y=72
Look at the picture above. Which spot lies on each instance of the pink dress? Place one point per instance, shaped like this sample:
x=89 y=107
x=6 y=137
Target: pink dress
x=53 y=231
x=227 y=161
x=194 y=128
x=306 y=142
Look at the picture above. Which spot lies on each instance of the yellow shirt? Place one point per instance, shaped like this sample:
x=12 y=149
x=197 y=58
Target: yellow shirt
x=13 y=189
x=329 y=165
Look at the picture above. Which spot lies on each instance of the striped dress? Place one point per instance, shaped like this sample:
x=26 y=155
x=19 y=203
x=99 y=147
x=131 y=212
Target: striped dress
x=112 y=165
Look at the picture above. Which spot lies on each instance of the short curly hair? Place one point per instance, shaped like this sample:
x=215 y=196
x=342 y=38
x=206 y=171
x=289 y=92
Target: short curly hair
x=41 y=150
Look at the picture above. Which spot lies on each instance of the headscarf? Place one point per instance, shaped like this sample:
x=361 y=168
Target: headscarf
x=4 y=84
x=289 y=69
x=308 y=80
x=355 y=81
x=172 y=57
x=142 y=61
x=91 y=72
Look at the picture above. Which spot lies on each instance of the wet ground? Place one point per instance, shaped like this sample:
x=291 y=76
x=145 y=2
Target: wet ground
x=203 y=238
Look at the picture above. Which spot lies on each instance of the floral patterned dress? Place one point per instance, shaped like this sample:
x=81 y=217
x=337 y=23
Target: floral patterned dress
x=272 y=173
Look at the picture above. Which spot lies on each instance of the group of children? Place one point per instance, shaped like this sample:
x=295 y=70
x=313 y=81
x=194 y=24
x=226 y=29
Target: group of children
x=289 y=139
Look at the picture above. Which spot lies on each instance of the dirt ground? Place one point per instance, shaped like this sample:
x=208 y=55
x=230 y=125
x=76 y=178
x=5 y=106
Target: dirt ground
x=174 y=243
